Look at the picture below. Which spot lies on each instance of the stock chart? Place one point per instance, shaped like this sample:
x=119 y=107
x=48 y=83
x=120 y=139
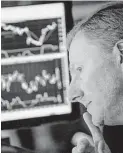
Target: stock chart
x=34 y=64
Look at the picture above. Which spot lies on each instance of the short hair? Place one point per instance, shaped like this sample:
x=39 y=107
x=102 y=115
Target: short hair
x=104 y=27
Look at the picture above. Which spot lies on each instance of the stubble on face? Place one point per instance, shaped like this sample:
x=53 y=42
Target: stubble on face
x=95 y=80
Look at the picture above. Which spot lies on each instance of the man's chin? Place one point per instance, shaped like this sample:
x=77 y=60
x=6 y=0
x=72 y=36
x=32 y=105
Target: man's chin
x=98 y=123
x=97 y=118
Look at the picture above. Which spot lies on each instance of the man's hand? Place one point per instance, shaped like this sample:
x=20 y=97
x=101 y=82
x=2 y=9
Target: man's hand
x=87 y=144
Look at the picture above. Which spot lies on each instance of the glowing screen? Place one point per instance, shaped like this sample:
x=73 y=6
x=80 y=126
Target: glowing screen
x=34 y=66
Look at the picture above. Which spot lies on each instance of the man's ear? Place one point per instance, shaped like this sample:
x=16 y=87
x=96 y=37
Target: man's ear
x=118 y=51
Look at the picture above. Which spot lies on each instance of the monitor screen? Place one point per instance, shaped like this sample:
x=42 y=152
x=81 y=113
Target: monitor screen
x=34 y=62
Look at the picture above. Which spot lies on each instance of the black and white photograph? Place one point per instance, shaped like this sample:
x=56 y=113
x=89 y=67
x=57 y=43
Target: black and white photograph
x=61 y=76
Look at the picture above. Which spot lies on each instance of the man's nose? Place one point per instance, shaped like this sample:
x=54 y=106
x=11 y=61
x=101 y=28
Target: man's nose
x=75 y=91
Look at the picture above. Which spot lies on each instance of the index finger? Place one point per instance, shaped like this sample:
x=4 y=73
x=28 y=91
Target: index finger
x=96 y=133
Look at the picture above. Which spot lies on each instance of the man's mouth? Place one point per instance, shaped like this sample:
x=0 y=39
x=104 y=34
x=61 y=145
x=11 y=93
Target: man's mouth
x=82 y=101
x=88 y=104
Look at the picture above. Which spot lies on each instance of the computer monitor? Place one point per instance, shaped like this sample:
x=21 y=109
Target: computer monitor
x=34 y=62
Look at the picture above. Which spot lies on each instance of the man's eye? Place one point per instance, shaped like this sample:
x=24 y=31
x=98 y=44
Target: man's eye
x=79 y=69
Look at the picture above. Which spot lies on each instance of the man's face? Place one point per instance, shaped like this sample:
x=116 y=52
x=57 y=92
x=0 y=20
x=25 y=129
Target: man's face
x=95 y=82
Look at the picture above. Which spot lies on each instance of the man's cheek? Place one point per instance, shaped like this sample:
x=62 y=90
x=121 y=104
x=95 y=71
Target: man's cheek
x=89 y=86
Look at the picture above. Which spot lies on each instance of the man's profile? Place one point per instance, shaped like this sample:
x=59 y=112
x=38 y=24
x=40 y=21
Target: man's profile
x=96 y=69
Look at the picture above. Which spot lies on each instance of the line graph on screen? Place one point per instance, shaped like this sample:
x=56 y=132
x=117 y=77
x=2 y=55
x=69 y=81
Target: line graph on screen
x=8 y=79
x=28 y=85
x=31 y=37
x=40 y=98
x=28 y=51
x=34 y=70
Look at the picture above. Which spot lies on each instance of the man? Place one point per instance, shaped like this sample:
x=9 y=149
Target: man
x=96 y=68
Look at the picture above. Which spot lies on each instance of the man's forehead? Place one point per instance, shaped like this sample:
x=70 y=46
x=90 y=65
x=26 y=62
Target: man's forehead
x=80 y=49
x=79 y=39
x=78 y=45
